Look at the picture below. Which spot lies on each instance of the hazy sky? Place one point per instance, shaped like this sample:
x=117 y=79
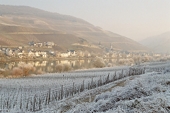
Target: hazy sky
x=136 y=19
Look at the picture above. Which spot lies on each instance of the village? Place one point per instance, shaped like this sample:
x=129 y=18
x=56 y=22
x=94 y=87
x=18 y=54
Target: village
x=32 y=51
x=44 y=50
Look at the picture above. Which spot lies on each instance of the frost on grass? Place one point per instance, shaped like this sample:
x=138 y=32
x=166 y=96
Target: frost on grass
x=147 y=94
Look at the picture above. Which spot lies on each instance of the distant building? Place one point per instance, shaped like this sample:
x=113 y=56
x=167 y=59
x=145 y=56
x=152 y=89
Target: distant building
x=32 y=43
x=31 y=54
x=49 y=44
x=64 y=55
x=9 y=52
x=20 y=47
x=36 y=44
x=43 y=54
x=51 y=53
x=39 y=44
x=71 y=52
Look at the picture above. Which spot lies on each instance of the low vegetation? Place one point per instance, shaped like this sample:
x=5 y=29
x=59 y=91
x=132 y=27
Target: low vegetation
x=23 y=69
x=99 y=62
x=17 y=71
x=146 y=93
x=26 y=68
x=63 y=68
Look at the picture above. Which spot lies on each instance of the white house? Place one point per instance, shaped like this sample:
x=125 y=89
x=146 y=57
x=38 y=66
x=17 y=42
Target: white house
x=31 y=54
x=9 y=52
x=71 y=52
x=128 y=55
x=39 y=44
x=20 y=55
x=43 y=54
x=65 y=55
x=49 y=44
x=20 y=47
x=157 y=55
x=37 y=54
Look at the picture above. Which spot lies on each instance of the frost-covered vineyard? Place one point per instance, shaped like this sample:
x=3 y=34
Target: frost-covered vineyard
x=147 y=93
x=37 y=93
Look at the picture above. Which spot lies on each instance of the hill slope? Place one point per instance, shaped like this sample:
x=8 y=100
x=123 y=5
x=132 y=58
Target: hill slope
x=21 y=24
x=159 y=43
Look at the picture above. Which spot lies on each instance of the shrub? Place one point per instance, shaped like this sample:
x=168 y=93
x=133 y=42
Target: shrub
x=63 y=67
x=59 y=68
x=66 y=67
x=99 y=62
x=40 y=72
x=131 y=61
x=27 y=68
x=21 y=64
x=2 y=71
x=23 y=69
x=109 y=65
x=128 y=61
x=17 y=71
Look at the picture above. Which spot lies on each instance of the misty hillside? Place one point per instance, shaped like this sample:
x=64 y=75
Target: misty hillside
x=159 y=43
x=21 y=24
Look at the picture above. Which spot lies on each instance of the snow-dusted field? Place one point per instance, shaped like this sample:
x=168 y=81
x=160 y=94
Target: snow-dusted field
x=129 y=94
x=148 y=93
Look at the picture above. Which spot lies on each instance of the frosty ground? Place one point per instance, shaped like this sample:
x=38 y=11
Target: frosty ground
x=149 y=92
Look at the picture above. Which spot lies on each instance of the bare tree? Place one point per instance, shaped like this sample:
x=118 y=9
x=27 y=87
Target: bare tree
x=27 y=68
x=63 y=67
x=99 y=62
x=59 y=68
x=66 y=67
x=17 y=71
